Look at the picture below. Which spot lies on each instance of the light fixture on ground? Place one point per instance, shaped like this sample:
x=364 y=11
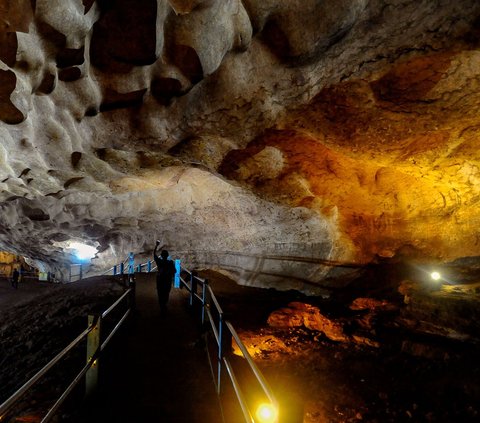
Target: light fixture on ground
x=266 y=413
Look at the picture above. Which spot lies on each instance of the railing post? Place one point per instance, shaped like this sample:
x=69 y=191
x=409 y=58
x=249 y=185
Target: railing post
x=131 y=263
x=132 y=299
x=220 y=353
x=131 y=269
x=149 y=266
x=122 y=268
x=224 y=347
x=193 y=283
x=114 y=270
x=81 y=273
x=204 y=300
x=93 y=344
x=178 y=269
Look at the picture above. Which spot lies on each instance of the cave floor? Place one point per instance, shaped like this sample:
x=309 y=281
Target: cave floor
x=154 y=369
x=411 y=376
x=27 y=291
x=157 y=370
x=157 y=363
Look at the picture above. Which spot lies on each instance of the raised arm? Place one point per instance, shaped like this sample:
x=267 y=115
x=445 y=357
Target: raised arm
x=155 y=256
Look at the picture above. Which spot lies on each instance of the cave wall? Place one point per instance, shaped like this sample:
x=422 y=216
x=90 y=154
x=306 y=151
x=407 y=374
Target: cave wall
x=241 y=133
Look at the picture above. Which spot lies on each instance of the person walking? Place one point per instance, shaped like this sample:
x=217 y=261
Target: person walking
x=15 y=276
x=165 y=274
x=21 y=274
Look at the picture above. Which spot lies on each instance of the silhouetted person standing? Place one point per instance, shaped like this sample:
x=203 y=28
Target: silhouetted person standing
x=21 y=273
x=165 y=274
x=15 y=276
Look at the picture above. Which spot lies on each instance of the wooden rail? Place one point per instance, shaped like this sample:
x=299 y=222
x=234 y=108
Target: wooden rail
x=89 y=371
x=211 y=312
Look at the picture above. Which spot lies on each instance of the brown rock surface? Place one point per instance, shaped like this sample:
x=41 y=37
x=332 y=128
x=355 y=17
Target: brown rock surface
x=371 y=304
x=402 y=373
x=283 y=142
x=300 y=314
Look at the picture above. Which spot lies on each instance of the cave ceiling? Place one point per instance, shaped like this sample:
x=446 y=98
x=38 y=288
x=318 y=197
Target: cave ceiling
x=241 y=133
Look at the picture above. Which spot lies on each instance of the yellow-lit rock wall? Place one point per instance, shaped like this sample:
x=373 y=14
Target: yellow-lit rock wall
x=396 y=155
x=284 y=142
x=8 y=262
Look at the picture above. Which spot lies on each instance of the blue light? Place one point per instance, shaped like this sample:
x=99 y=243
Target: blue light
x=83 y=252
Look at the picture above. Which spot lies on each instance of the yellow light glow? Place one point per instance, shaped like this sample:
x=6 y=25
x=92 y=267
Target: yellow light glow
x=435 y=276
x=266 y=413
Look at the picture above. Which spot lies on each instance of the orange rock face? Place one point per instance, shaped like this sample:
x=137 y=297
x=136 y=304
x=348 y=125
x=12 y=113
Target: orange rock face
x=371 y=304
x=300 y=314
x=394 y=157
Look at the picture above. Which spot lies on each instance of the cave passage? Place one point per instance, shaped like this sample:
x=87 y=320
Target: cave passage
x=386 y=359
x=157 y=370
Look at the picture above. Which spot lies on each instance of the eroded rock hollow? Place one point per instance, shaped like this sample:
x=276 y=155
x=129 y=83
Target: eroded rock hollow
x=283 y=142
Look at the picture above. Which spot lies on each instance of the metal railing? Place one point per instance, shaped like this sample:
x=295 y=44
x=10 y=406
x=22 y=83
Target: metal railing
x=223 y=332
x=75 y=272
x=89 y=371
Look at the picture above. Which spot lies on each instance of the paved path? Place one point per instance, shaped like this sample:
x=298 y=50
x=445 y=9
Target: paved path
x=157 y=369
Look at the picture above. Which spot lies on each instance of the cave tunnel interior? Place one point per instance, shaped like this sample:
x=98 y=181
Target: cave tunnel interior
x=318 y=162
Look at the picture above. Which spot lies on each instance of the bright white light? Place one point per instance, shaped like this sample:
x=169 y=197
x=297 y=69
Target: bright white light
x=83 y=251
x=435 y=276
x=266 y=413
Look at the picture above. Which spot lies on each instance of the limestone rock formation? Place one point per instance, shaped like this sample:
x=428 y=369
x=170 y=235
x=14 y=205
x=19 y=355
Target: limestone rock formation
x=8 y=262
x=300 y=314
x=284 y=142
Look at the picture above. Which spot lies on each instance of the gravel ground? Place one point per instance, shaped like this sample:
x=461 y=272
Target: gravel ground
x=37 y=321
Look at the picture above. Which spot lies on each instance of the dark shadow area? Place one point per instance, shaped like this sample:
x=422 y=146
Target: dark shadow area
x=415 y=359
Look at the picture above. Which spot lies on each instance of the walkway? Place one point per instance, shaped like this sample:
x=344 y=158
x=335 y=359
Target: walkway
x=157 y=370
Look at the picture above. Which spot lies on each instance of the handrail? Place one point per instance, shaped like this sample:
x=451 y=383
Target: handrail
x=214 y=329
x=27 y=385
x=215 y=301
x=238 y=392
x=109 y=309
x=220 y=334
x=300 y=259
x=221 y=338
x=187 y=271
x=261 y=379
x=185 y=283
x=67 y=391
x=191 y=286
x=114 y=330
x=113 y=267
x=107 y=271
x=84 y=371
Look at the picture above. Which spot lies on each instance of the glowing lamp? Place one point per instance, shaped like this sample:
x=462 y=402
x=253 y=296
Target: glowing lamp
x=266 y=413
x=435 y=276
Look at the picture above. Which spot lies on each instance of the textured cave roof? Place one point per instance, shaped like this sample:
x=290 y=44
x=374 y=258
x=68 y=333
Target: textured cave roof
x=241 y=133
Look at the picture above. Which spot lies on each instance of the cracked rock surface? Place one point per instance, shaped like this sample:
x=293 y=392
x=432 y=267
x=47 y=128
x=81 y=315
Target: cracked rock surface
x=282 y=142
